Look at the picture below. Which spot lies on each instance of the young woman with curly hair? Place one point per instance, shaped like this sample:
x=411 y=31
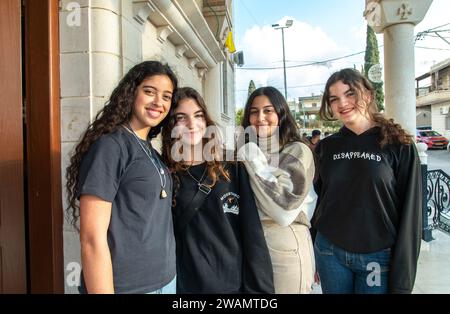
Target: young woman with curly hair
x=220 y=243
x=368 y=217
x=121 y=192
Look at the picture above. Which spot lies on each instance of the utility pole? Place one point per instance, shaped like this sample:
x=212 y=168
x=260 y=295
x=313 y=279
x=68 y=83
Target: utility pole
x=277 y=26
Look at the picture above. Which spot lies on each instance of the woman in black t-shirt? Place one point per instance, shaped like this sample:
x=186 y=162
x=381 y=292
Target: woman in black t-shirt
x=124 y=190
x=219 y=239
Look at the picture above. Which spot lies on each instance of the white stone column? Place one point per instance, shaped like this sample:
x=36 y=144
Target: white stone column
x=90 y=62
x=213 y=92
x=399 y=74
x=396 y=20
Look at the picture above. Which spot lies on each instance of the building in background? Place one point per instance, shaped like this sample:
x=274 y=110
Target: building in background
x=306 y=111
x=433 y=98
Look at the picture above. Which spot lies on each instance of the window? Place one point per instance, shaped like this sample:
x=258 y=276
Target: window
x=429 y=133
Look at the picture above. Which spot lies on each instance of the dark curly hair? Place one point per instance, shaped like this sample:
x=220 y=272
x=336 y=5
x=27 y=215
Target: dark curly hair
x=117 y=110
x=287 y=127
x=215 y=167
x=391 y=132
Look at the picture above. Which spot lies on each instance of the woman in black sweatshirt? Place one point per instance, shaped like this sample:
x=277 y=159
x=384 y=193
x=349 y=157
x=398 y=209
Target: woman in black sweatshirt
x=368 y=217
x=220 y=244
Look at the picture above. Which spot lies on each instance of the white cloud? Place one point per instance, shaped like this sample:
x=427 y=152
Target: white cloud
x=304 y=43
x=436 y=16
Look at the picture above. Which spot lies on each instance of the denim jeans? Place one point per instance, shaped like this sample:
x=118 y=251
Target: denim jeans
x=170 y=288
x=341 y=271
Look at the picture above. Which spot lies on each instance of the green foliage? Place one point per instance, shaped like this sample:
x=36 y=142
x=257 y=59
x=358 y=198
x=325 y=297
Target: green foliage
x=372 y=57
x=332 y=126
x=251 y=88
x=239 y=116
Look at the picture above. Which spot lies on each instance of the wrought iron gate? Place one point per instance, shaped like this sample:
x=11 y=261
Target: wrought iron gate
x=438 y=200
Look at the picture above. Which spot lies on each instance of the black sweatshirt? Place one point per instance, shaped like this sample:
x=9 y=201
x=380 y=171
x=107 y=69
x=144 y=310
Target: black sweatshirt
x=370 y=199
x=222 y=249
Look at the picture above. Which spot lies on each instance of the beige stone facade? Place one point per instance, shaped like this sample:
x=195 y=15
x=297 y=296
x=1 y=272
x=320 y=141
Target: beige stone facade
x=100 y=40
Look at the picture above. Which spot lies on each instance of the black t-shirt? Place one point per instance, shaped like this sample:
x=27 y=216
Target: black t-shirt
x=222 y=249
x=140 y=233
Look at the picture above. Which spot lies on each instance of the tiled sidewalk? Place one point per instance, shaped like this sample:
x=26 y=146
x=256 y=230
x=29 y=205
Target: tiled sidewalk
x=433 y=272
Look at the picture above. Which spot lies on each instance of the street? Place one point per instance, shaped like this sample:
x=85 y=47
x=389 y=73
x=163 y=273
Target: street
x=439 y=159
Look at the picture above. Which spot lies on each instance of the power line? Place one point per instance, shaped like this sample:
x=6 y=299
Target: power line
x=304 y=65
x=436 y=31
x=289 y=87
x=432 y=48
x=431 y=29
x=436 y=36
x=322 y=62
x=249 y=12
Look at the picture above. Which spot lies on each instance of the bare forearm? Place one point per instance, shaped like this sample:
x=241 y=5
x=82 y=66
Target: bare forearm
x=97 y=267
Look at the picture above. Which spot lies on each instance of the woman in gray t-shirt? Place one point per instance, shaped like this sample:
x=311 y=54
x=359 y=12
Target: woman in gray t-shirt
x=120 y=191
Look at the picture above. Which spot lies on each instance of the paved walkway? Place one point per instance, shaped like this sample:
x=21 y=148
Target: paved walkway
x=433 y=272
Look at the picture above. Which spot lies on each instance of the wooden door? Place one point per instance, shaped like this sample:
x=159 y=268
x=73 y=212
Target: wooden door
x=12 y=213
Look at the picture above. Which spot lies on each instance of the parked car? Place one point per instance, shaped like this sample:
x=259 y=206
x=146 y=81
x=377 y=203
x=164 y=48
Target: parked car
x=432 y=138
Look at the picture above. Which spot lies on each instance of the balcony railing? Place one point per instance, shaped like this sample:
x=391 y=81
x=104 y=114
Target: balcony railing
x=431 y=98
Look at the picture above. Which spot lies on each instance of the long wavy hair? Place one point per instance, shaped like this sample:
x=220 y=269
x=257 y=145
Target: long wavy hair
x=215 y=167
x=288 y=130
x=391 y=132
x=117 y=110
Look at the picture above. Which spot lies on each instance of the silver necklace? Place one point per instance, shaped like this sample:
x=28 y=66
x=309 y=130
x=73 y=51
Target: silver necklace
x=160 y=170
x=202 y=187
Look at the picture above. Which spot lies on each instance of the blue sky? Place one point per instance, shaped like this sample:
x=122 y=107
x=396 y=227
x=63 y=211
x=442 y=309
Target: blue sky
x=330 y=15
x=322 y=30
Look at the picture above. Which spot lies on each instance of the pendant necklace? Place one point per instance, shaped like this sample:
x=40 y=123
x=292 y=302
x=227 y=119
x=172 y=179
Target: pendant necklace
x=160 y=170
x=202 y=187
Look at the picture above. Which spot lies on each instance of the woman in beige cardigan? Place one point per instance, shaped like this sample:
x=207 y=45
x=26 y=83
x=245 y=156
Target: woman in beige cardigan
x=281 y=170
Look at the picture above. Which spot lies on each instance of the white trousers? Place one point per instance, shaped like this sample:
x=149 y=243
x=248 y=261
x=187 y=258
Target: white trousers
x=292 y=256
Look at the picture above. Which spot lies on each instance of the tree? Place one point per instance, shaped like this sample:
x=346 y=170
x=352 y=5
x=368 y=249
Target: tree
x=371 y=58
x=251 y=88
x=239 y=116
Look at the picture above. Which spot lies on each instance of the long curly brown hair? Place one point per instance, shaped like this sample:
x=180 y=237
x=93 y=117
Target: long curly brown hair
x=117 y=110
x=215 y=167
x=391 y=132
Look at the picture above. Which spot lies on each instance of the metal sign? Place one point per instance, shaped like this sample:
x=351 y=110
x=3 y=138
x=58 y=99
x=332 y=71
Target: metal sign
x=375 y=73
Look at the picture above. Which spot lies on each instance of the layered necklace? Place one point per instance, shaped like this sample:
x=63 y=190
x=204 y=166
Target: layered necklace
x=148 y=152
x=202 y=187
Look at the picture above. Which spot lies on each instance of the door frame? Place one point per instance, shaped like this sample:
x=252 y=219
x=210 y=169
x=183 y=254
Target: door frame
x=43 y=141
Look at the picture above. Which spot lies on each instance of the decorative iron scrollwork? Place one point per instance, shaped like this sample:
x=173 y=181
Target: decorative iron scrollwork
x=438 y=199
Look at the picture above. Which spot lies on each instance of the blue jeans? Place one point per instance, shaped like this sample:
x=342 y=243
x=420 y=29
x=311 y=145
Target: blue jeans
x=341 y=271
x=170 y=288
